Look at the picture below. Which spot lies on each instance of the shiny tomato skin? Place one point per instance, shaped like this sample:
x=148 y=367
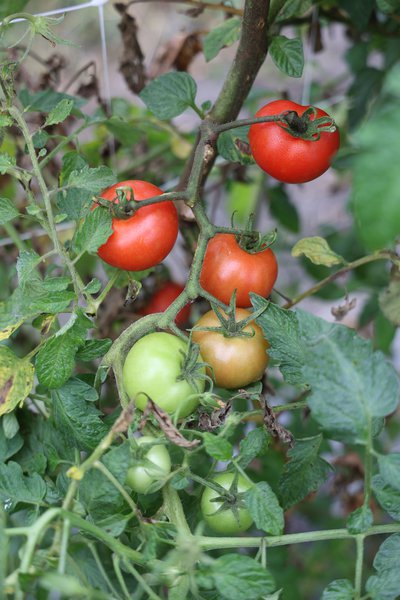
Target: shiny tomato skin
x=152 y=368
x=235 y=361
x=284 y=157
x=228 y=267
x=163 y=298
x=144 y=239
x=224 y=522
x=140 y=478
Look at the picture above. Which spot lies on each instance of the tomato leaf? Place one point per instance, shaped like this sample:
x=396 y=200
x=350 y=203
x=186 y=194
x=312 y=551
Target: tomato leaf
x=217 y=447
x=318 y=251
x=93 y=349
x=233 y=145
x=236 y=577
x=280 y=10
x=93 y=232
x=221 y=36
x=385 y=584
x=16 y=380
x=60 y=112
x=7 y=162
x=9 y=447
x=304 y=473
x=8 y=212
x=389 y=469
x=252 y=445
x=15 y=488
x=360 y=520
x=389 y=300
x=340 y=589
x=287 y=55
x=388 y=496
x=92 y=180
x=264 y=508
x=169 y=95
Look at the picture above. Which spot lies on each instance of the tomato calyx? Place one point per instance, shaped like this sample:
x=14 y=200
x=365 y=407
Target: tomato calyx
x=229 y=326
x=253 y=241
x=228 y=499
x=306 y=127
x=192 y=369
x=123 y=206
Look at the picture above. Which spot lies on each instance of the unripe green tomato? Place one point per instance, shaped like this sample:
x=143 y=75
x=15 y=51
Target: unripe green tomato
x=152 y=369
x=224 y=521
x=141 y=478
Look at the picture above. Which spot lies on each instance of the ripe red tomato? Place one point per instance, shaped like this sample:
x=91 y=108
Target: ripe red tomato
x=284 y=157
x=144 y=239
x=163 y=298
x=236 y=361
x=227 y=267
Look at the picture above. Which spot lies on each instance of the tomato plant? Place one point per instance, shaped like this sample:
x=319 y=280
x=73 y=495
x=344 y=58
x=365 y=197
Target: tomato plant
x=155 y=368
x=227 y=515
x=150 y=469
x=163 y=298
x=287 y=158
x=144 y=239
x=236 y=359
x=228 y=267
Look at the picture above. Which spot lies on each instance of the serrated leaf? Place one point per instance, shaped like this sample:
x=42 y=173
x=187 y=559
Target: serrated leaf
x=221 y=36
x=8 y=212
x=75 y=415
x=233 y=145
x=17 y=489
x=7 y=163
x=55 y=361
x=252 y=445
x=217 y=447
x=169 y=95
x=305 y=472
x=287 y=55
x=389 y=469
x=93 y=232
x=93 y=349
x=236 y=577
x=360 y=520
x=385 y=585
x=340 y=589
x=264 y=508
x=318 y=251
x=46 y=100
x=92 y=180
x=16 y=380
x=59 y=112
x=387 y=496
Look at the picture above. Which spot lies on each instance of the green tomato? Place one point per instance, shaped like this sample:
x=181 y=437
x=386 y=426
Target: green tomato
x=152 y=368
x=225 y=521
x=156 y=465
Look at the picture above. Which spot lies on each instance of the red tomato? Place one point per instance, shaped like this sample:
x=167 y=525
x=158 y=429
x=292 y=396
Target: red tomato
x=227 y=267
x=144 y=239
x=163 y=298
x=284 y=157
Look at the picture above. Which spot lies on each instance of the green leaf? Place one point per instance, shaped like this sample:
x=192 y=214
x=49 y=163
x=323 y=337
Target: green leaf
x=389 y=300
x=378 y=223
x=359 y=11
x=92 y=180
x=93 y=232
x=93 y=349
x=304 y=473
x=16 y=380
x=60 y=112
x=388 y=6
x=287 y=55
x=43 y=26
x=340 y=589
x=8 y=212
x=217 y=447
x=280 y=10
x=219 y=37
x=237 y=577
x=169 y=95
x=360 y=520
x=9 y=447
x=75 y=415
x=242 y=200
x=281 y=329
x=16 y=489
x=69 y=586
x=55 y=361
x=389 y=469
x=9 y=7
x=318 y=251
x=252 y=445
x=264 y=508
x=10 y=425
x=385 y=585
x=387 y=496
x=46 y=100
x=282 y=208
x=123 y=131
x=7 y=163
x=233 y=145
x=40 y=139
x=97 y=493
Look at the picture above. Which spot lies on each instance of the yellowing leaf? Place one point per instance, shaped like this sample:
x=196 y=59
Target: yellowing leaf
x=7 y=331
x=318 y=251
x=16 y=380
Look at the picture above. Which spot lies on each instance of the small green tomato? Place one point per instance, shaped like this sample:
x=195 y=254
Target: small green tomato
x=153 y=468
x=226 y=521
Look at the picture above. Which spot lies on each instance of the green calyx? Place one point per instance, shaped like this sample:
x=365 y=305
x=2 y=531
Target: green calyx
x=253 y=241
x=193 y=368
x=306 y=127
x=123 y=206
